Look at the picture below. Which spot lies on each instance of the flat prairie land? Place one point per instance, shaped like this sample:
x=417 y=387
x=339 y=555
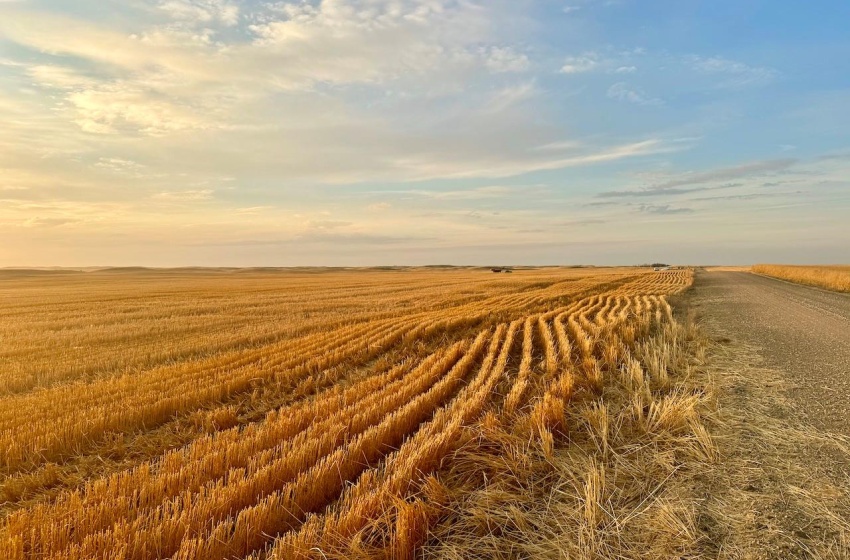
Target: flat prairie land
x=400 y=413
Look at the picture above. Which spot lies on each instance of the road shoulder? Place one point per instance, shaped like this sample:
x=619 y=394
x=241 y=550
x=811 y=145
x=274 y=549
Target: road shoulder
x=782 y=486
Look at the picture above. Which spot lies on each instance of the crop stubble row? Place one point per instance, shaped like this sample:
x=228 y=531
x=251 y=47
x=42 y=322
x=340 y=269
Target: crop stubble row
x=310 y=477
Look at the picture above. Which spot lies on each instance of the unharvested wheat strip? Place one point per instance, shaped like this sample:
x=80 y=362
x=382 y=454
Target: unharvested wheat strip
x=377 y=490
x=313 y=490
x=252 y=480
x=830 y=277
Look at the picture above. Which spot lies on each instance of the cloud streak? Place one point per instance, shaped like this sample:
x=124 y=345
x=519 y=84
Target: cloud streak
x=621 y=91
x=726 y=173
x=663 y=191
x=664 y=209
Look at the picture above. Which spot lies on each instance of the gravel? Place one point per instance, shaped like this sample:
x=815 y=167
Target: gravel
x=802 y=332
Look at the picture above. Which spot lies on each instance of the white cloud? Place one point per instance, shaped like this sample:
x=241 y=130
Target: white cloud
x=370 y=41
x=119 y=165
x=507 y=165
x=114 y=109
x=506 y=59
x=478 y=193
x=322 y=93
x=625 y=70
x=59 y=77
x=730 y=72
x=621 y=91
x=581 y=63
x=253 y=210
x=563 y=145
x=202 y=11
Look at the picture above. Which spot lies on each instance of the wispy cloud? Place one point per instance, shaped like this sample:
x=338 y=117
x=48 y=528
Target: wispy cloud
x=748 y=196
x=583 y=222
x=663 y=191
x=621 y=91
x=731 y=73
x=202 y=11
x=580 y=63
x=508 y=97
x=663 y=209
x=204 y=194
x=120 y=165
x=750 y=169
x=505 y=59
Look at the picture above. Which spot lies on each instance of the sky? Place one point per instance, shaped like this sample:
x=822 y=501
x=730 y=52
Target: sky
x=402 y=132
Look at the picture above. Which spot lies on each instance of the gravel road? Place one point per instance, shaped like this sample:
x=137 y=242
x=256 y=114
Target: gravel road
x=782 y=360
x=803 y=332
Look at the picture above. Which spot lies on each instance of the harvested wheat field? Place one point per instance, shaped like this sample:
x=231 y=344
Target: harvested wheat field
x=408 y=413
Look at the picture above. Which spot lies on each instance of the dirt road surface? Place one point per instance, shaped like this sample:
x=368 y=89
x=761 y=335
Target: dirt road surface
x=781 y=355
x=803 y=332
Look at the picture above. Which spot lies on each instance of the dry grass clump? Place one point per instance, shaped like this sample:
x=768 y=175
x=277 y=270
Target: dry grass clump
x=835 y=278
x=781 y=490
x=616 y=484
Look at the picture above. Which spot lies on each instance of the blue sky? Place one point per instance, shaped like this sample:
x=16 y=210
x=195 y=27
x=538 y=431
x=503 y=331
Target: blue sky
x=364 y=132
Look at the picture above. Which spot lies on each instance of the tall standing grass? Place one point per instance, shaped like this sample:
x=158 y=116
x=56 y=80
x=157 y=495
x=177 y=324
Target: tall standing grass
x=836 y=278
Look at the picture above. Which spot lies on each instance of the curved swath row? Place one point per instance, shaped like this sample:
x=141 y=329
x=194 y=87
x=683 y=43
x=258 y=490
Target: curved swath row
x=310 y=479
x=124 y=403
x=51 y=424
x=391 y=491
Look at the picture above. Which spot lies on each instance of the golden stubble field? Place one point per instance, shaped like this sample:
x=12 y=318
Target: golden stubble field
x=204 y=414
